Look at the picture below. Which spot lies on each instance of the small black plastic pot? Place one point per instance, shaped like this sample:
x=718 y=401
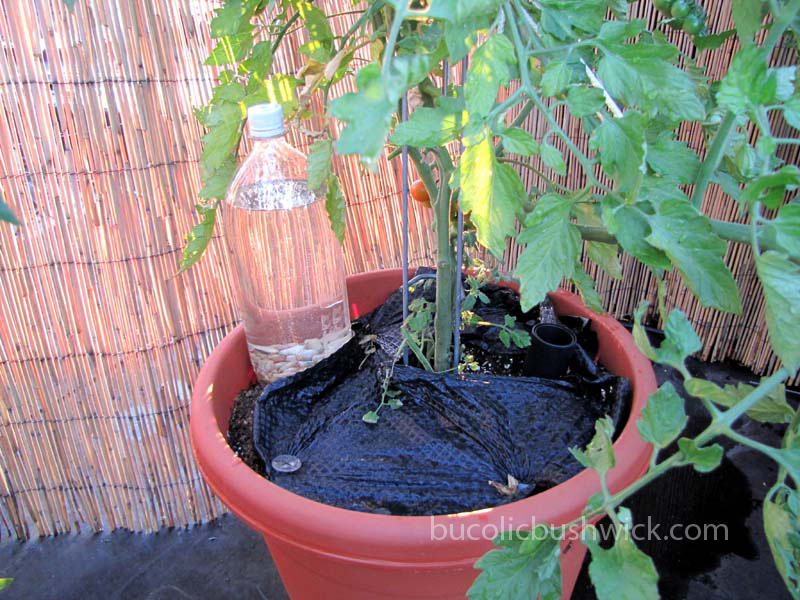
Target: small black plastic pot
x=550 y=352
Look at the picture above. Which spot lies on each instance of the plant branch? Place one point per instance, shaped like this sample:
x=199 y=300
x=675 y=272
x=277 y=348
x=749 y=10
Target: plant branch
x=715 y=153
x=443 y=320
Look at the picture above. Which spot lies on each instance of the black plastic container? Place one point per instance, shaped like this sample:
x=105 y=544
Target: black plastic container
x=550 y=352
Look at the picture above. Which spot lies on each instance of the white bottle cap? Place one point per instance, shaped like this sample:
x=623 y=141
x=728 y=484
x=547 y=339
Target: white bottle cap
x=266 y=120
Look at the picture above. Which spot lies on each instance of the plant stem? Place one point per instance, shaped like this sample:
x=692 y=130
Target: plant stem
x=445 y=308
x=715 y=153
x=283 y=31
x=531 y=92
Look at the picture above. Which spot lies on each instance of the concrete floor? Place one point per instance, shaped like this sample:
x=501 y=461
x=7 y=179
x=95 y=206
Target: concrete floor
x=225 y=560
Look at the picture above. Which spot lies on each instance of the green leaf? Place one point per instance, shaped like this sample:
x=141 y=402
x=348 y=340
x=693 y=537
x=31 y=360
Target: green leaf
x=774 y=184
x=319 y=31
x=585 y=285
x=773 y=408
x=280 y=89
x=748 y=82
x=786 y=229
x=491 y=193
x=680 y=339
x=555 y=78
x=6 y=581
x=622 y=149
x=685 y=236
x=791 y=112
x=663 y=417
x=552 y=247
x=583 y=101
x=217 y=184
x=230 y=17
x=231 y=49
x=623 y=572
x=370 y=417
x=599 y=453
x=319 y=164
x=704 y=459
x=672 y=159
x=780 y=279
x=198 y=238
x=6 y=214
x=259 y=63
x=782 y=528
x=747 y=17
x=527 y=565
x=489 y=69
x=336 y=207
x=430 y=127
x=713 y=41
x=519 y=141
x=367 y=114
x=570 y=19
x=552 y=157
x=644 y=76
x=631 y=226
x=220 y=143
x=603 y=255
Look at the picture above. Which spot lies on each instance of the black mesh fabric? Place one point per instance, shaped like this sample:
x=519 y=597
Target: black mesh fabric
x=454 y=433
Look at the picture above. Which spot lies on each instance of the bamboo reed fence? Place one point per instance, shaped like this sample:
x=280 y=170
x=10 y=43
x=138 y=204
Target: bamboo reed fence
x=99 y=340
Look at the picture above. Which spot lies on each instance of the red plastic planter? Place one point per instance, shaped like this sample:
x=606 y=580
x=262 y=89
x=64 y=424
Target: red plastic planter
x=323 y=552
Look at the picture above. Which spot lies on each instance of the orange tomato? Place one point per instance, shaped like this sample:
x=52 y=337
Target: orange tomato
x=420 y=193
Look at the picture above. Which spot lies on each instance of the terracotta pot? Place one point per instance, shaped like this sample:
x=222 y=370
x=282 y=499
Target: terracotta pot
x=331 y=553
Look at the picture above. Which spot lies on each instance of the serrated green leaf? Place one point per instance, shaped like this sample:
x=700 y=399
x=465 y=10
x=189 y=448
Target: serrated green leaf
x=644 y=76
x=780 y=279
x=663 y=417
x=704 y=459
x=230 y=17
x=259 y=63
x=712 y=41
x=231 y=49
x=571 y=19
x=623 y=572
x=552 y=247
x=773 y=408
x=748 y=82
x=622 y=149
x=599 y=453
x=336 y=207
x=555 y=78
x=430 y=127
x=586 y=289
x=680 y=339
x=770 y=188
x=631 y=227
x=489 y=69
x=747 y=17
x=785 y=228
x=782 y=526
x=217 y=184
x=198 y=238
x=552 y=157
x=220 y=143
x=367 y=114
x=672 y=158
x=491 y=193
x=527 y=565
x=685 y=236
x=791 y=111
x=519 y=141
x=583 y=101
x=320 y=154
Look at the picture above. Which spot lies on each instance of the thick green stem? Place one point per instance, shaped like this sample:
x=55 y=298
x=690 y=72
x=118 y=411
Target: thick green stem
x=445 y=272
x=726 y=129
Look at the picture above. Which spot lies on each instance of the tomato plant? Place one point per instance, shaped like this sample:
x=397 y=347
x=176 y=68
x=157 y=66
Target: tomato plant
x=632 y=91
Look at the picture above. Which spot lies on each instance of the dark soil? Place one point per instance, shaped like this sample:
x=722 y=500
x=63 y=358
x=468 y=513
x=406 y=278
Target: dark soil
x=240 y=430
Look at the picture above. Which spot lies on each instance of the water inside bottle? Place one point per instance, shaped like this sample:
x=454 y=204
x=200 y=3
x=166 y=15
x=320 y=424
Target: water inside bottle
x=289 y=276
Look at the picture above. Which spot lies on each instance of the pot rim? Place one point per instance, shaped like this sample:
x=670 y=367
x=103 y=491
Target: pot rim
x=275 y=511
